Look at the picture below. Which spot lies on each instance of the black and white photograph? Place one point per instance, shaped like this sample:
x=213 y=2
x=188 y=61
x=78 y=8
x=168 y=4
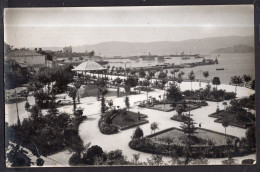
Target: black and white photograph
x=129 y=86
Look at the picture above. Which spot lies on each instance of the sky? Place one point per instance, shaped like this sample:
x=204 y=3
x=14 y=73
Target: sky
x=59 y=27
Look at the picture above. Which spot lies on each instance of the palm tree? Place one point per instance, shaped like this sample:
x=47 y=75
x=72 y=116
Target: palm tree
x=225 y=105
x=72 y=92
x=236 y=80
x=127 y=71
x=146 y=83
x=174 y=71
x=179 y=79
x=191 y=77
x=225 y=123
x=151 y=73
x=117 y=71
x=118 y=82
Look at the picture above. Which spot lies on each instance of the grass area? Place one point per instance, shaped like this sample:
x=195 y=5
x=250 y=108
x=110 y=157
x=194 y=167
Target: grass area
x=241 y=119
x=200 y=138
x=180 y=118
x=167 y=107
x=162 y=107
x=125 y=119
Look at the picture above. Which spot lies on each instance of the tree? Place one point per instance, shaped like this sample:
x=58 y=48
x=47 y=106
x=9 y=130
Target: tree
x=216 y=82
x=236 y=80
x=25 y=93
x=225 y=105
x=191 y=77
x=39 y=161
x=206 y=74
x=127 y=104
x=235 y=104
x=251 y=136
x=72 y=92
x=174 y=94
x=174 y=71
x=18 y=157
x=154 y=126
x=162 y=75
x=225 y=123
x=118 y=82
x=70 y=58
x=188 y=126
x=146 y=83
x=253 y=85
x=92 y=53
x=92 y=153
x=155 y=160
x=142 y=73
x=75 y=159
x=110 y=103
x=27 y=106
x=103 y=105
x=179 y=79
x=151 y=73
x=77 y=84
x=131 y=81
x=247 y=78
x=133 y=71
x=127 y=70
x=136 y=158
x=7 y=48
x=138 y=133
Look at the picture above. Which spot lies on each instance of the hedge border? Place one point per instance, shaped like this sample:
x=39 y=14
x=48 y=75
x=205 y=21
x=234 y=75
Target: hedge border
x=174 y=128
x=214 y=115
x=131 y=126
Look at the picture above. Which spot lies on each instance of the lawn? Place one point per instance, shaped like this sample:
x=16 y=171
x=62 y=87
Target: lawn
x=241 y=119
x=127 y=119
x=162 y=107
x=202 y=137
x=167 y=107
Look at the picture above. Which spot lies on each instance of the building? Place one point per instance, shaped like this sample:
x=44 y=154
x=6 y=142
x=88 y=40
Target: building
x=33 y=60
x=67 y=49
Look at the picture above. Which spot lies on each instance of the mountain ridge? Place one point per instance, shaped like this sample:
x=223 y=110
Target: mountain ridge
x=123 y=48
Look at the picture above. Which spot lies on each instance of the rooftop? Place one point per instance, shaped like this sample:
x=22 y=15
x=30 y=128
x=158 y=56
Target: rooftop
x=22 y=52
x=89 y=66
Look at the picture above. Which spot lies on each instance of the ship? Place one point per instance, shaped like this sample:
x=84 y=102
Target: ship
x=185 y=58
x=220 y=69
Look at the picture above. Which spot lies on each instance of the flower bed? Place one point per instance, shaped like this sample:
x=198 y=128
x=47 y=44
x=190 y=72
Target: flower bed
x=201 y=137
x=206 y=142
x=167 y=107
x=121 y=119
x=179 y=118
x=241 y=120
x=161 y=107
x=127 y=119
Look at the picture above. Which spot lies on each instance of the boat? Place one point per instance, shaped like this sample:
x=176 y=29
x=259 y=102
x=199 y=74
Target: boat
x=220 y=69
x=185 y=58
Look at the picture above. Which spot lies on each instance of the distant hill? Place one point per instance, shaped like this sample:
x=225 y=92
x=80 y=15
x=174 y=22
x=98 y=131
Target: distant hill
x=235 y=49
x=206 y=45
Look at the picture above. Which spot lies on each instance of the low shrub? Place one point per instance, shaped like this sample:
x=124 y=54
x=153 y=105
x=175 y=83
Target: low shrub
x=106 y=128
